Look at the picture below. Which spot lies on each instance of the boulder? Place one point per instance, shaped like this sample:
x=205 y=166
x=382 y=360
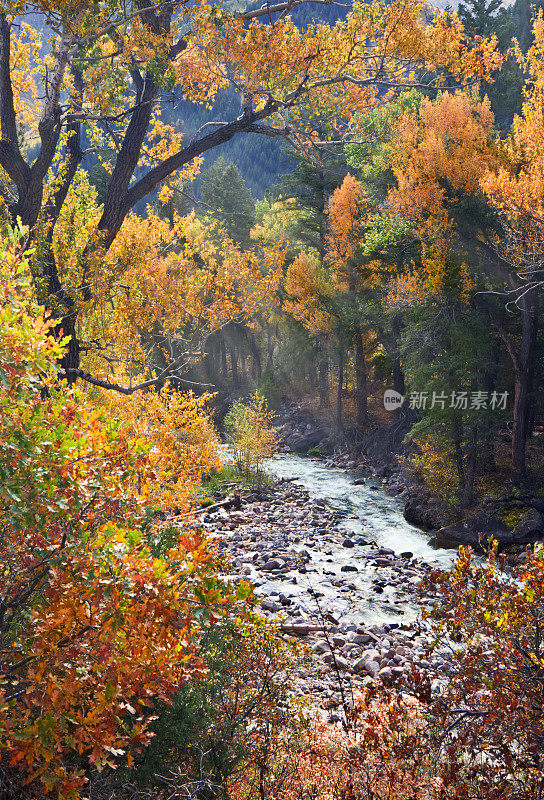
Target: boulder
x=274 y=563
x=476 y=532
x=308 y=440
x=372 y=668
x=385 y=675
x=419 y=513
x=336 y=661
x=371 y=655
x=270 y=605
x=530 y=528
x=321 y=646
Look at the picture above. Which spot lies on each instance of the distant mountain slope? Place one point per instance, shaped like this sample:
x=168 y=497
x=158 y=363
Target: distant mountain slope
x=261 y=160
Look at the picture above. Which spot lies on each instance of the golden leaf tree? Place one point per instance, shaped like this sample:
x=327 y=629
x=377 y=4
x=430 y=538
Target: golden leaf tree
x=109 y=68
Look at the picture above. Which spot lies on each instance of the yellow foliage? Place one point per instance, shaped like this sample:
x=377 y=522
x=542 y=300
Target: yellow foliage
x=184 y=444
x=161 y=288
x=439 y=155
x=346 y=217
x=308 y=287
x=433 y=466
x=517 y=189
x=251 y=433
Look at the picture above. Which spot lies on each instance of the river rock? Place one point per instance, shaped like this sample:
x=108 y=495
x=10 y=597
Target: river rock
x=423 y=515
x=310 y=439
x=274 y=563
x=336 y=661
x=366 y=665
x=270 y=605
x=386 y=674
x=371 y=655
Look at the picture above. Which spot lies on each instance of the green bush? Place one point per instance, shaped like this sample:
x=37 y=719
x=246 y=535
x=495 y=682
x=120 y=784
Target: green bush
x=221 y=726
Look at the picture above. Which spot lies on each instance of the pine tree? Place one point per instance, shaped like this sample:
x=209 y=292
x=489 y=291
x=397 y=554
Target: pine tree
x=230 y=201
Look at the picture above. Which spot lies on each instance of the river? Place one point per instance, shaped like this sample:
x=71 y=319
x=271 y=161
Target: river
x=369 y=510
x=375 y=592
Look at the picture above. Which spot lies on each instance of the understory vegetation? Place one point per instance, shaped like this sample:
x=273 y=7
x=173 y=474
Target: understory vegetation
x=157 y=321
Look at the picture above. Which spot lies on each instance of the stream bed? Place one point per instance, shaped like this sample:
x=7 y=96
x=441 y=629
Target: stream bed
x=334 y=563
x=321 y=545
x=373 y=579
x=368 y=508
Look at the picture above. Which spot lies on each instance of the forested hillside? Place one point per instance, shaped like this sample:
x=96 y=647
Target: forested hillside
x=271 y=400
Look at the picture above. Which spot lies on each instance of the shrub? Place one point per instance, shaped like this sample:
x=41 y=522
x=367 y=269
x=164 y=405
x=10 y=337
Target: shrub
x=221 y=735
x=251 y=434
x=491 y=711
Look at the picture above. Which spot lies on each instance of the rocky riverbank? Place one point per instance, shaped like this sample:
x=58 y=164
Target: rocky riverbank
x=377 y=454
x=352 y=604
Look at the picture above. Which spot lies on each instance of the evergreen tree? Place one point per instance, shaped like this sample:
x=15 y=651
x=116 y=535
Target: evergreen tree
x=491 y=18
x=230 y=201
x=483 y=17
x=309 y=186
x=522 y=13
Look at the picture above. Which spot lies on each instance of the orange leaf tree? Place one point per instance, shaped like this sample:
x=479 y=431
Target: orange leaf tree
x=94 y=628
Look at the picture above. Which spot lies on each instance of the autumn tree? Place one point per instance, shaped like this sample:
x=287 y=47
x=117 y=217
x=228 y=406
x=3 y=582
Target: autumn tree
x=101 y=86
x=95 y=628
x=516 y=190
x=250 y=431
x=440 y=155
x=346 y=217
x=305 y=192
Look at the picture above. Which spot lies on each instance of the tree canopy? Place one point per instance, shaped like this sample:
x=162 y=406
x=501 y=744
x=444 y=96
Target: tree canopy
x=110 y=68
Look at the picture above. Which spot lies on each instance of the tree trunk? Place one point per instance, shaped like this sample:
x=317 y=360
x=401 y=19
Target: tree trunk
x=524 y=370
x=312 y=374
x=224 y=366
x=399 y=381
x=399 y=384
x=522 y=412
x=487 y=450
x=243 y=366
x=361 y=383
x=339 y=423
x=457 y=426
x=208 y=363
x=70 y=359
x=467 y=497
x=269 y=349
x=522 y=357
x=234 y=365
x=255 y=355
x=323 y=370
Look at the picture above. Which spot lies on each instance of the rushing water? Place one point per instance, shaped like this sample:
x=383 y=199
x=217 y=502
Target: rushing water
x=373 y=515
x=369 y=509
